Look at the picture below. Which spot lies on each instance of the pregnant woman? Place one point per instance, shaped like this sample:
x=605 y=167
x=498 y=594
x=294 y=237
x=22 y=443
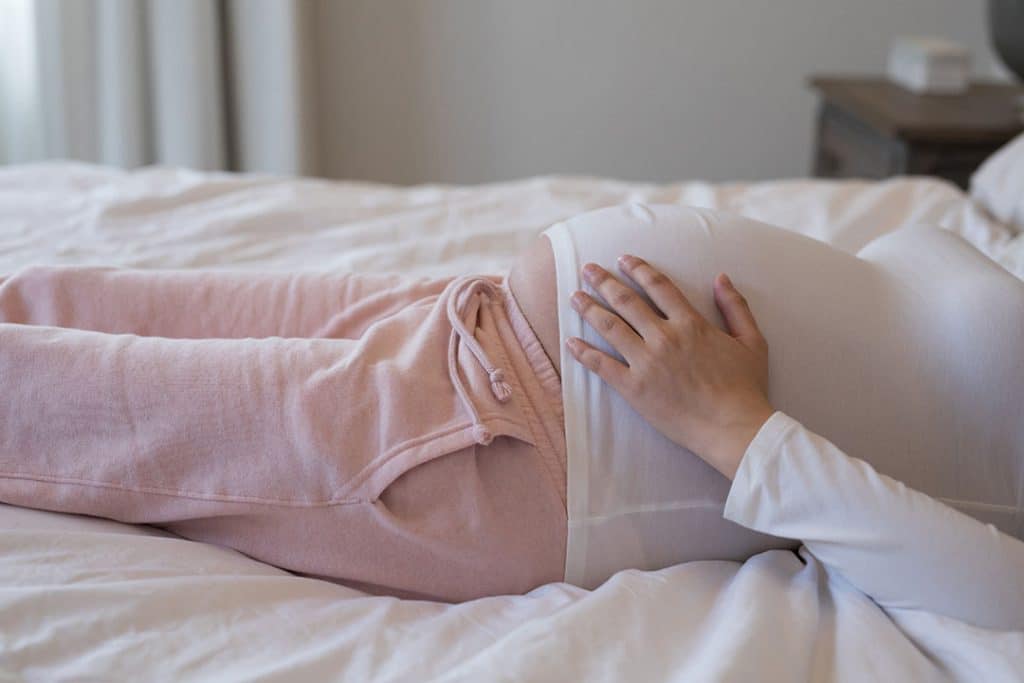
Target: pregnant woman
x=439 y=439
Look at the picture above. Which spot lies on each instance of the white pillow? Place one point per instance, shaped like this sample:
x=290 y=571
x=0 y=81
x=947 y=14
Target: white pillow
x=998 y=184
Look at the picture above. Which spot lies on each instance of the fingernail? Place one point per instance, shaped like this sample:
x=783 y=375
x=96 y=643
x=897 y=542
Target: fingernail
x=726 y=281
x=573 y=343
x=627 y=260
x=590 y=271
x=577 y=300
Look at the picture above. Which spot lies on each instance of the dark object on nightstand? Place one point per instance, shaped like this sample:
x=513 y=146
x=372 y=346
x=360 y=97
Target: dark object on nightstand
x=872 y=128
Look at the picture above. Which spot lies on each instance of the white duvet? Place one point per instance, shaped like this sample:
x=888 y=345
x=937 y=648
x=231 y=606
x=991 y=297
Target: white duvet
x=88 y=599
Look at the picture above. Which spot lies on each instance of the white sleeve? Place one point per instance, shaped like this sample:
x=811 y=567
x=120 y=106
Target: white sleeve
x=897 y=545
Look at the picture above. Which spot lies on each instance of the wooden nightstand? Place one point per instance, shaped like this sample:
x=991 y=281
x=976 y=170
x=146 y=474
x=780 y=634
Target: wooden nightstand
x=871 y=128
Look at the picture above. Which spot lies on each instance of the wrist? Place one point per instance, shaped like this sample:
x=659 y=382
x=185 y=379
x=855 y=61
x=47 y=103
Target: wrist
x=726 y=443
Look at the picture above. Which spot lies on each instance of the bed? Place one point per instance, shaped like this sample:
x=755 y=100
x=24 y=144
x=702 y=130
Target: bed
x=91 y=599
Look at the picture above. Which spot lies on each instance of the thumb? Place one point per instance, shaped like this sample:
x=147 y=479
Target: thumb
x=736 y=312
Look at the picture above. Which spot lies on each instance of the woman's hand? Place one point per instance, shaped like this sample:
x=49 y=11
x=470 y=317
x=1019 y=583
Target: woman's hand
x=704 y=389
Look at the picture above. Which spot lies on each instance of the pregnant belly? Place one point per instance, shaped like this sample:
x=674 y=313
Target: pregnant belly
x=532 y=281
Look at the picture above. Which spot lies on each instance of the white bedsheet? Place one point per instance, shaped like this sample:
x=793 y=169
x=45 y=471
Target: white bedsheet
x=91 y=599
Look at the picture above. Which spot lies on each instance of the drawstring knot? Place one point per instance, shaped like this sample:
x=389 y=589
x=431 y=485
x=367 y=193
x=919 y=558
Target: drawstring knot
x=499 y=387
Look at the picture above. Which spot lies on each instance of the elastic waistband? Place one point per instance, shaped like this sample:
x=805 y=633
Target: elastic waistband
x=543 y=387
x=543 y=368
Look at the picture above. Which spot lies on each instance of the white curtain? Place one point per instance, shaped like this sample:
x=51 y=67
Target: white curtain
x=208 y=84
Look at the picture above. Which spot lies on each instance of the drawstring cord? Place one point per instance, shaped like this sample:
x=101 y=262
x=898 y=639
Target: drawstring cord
x=464 y=302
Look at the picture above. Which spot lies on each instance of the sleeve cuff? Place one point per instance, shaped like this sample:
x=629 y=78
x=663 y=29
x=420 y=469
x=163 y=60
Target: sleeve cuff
x=758 y=458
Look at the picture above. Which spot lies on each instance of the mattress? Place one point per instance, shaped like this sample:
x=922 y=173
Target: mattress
x=91 y=599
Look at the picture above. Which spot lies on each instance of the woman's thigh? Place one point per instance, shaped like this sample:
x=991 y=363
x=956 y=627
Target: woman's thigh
x=205 y=304
x=480 y=521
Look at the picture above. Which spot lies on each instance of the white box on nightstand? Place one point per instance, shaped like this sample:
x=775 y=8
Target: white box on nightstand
x=929 y=65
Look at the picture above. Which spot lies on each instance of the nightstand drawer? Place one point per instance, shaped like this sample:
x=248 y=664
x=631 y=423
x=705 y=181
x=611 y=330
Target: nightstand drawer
x=849 y=149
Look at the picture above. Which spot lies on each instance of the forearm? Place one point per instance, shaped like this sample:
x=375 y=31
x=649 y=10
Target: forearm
x=899 y=546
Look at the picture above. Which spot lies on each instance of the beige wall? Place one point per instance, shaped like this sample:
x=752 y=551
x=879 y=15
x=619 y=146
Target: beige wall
x=478 y=90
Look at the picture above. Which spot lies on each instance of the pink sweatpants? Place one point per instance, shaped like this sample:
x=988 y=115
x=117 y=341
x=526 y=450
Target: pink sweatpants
x=402 y=436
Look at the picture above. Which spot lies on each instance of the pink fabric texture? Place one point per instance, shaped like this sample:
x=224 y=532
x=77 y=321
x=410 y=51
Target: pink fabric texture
x=403 y=436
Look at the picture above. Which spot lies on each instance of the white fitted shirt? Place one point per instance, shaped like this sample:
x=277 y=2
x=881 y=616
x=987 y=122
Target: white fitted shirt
x=908 y=355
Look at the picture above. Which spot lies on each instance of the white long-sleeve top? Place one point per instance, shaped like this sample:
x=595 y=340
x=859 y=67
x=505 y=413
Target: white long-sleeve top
x=907 y=355
x=899 y=547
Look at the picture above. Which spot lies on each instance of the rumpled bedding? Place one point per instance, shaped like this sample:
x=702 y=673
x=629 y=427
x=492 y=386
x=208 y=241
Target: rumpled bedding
x=91 y=599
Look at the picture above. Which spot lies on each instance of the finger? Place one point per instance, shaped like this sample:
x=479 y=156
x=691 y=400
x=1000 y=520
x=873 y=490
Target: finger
x=610 y=326
x=659 y=287
x=612 y=371
x=739 y=319
x=622 y=299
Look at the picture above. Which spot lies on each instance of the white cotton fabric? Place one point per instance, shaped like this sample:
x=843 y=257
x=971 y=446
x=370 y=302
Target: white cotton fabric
x=89 y=599
x=875 y=532
x=998 y=184
x=922 y=376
